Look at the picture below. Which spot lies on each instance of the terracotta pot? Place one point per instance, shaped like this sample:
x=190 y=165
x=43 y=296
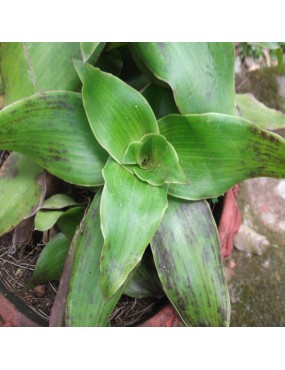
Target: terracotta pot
x=13 y=311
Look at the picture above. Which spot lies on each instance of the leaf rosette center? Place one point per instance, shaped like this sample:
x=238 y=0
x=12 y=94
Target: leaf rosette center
x=154 y=160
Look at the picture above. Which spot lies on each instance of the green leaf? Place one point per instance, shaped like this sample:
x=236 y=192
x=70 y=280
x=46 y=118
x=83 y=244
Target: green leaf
x=91 y=49
x=255 y=111
x=118 y=114
x=62 y=140
x=68 y=222
x=21 y=188
x=85 y=305
x=50 y=263
x=58 y=201
x=31 y=67
x=161 y=100
x=201 y=75
x=157 y=160
x=217 y=151
x=145 y=282
x=45 y=219
x=187 y=256
x=131 y=211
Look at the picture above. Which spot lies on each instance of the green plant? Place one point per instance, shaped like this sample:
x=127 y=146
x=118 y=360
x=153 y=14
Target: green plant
x=154 y=134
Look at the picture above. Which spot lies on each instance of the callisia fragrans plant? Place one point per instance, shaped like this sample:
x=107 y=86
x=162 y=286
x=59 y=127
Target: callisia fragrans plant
x=151 y=130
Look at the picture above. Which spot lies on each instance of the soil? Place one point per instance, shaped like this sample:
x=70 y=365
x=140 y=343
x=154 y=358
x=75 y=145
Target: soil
x=16 y=270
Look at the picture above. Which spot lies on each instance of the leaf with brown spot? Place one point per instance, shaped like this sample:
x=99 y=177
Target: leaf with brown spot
x=31 y=67
x=85 y=301
x=62 y=143
x=187 y=255
x=131 y=211
x=216 y=151
x=200 y=74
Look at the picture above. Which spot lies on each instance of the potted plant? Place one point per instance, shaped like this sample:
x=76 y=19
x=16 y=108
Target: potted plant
x=152 y=130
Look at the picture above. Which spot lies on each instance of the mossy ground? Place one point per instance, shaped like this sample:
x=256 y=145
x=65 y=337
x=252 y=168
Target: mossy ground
x=263 y=84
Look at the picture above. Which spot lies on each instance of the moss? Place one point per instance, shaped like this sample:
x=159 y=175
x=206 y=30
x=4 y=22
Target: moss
x=264 y=86
x=256 y=289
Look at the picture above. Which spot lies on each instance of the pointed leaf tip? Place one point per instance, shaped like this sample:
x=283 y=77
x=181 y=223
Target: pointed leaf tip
x=122 y=114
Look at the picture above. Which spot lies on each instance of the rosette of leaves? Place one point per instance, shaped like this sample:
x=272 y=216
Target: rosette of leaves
x=154 y=155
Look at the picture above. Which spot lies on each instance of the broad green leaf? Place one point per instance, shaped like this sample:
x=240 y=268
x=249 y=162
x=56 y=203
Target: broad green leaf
x=91 y=49
x=187 y=255
x=145 y=282
x=131 y=211
x=201 y=75
x=45 y=219
x=58 y=201
x=255 y=111
x=68 y=222
x=85 y=305
x=50 y=263
x=118 y=114
x=21 y=188
x=217 y=151
x=161 y=100
x=157 y=161
x=62 y=141
x=31 y=67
